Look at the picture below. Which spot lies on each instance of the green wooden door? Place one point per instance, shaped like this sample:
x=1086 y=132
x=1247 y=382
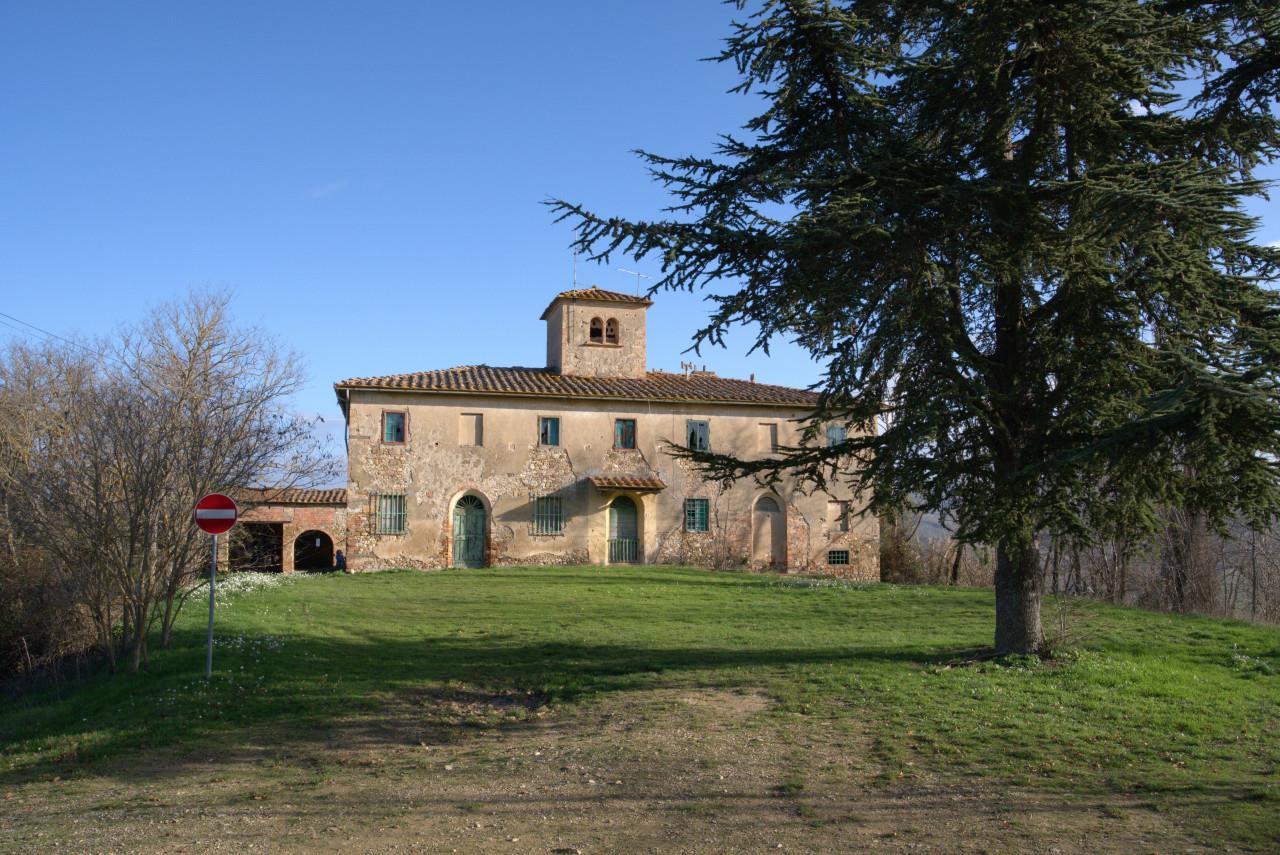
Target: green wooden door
x=624 y=540
x=468 y=532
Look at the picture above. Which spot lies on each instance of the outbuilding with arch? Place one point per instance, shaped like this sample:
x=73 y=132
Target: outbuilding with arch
x=282 y=530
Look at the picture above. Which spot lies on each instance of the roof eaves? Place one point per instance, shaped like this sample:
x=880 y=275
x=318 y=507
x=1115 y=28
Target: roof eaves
x=584 y=294
x=572 y=397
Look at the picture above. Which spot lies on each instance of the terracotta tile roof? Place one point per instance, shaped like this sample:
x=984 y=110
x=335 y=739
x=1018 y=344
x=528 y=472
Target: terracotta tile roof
x=540 y=382
x=290 y=496
x=599 y=295
x=628 y=482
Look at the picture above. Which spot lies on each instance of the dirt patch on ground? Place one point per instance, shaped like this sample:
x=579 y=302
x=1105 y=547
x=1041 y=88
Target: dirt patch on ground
x=737 y=703
x=461 y=770
x=459 y=704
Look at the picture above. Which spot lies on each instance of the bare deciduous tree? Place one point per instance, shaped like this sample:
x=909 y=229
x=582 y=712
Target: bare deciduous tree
x=183 y=404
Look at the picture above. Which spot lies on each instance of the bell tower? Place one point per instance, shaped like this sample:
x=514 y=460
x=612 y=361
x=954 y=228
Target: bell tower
x=596 y=333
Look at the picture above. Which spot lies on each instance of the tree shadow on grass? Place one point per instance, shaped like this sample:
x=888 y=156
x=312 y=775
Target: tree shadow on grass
x=307 y=683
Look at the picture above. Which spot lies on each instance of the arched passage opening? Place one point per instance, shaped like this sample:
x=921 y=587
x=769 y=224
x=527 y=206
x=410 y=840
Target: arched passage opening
x=313 y=550
x=257 y=546
x=470 y=525
x=624 y=531
x=768 y=533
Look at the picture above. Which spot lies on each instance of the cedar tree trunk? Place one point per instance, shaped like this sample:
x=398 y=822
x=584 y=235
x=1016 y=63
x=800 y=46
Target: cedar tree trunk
x=1018 y=584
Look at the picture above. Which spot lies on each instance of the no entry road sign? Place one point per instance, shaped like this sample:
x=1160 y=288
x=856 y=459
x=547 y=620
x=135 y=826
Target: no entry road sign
x=216 y=513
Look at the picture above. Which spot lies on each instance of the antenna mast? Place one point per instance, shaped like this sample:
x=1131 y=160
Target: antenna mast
x=637 y=274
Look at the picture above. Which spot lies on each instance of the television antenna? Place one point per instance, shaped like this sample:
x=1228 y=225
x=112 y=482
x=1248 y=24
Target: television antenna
x=637 y=274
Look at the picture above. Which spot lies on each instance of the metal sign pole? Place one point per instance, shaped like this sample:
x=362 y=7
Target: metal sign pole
x=216 y=514
x=213 y=572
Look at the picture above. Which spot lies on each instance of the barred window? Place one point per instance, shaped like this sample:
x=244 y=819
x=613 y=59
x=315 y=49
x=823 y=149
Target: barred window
x=696 y=515
x=838 y=556
x=548 y=515
x=389 y=511
x=699 y=435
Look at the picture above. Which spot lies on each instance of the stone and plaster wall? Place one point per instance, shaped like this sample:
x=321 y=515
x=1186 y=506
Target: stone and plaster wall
x=433 y=470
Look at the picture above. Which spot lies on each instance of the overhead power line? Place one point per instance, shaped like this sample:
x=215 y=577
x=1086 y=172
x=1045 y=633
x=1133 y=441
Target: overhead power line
x=42 y=331
x=55 y=336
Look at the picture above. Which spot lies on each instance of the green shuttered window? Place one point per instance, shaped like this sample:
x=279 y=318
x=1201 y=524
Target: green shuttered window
x=548 y=430
x=624 y=433
x=393 y=423
x=699 y=433
x=696 y=515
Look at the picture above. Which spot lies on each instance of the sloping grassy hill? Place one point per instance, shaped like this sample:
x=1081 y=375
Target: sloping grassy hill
x=1176 y=716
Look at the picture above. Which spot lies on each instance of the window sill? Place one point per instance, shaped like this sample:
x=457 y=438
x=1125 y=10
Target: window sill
x=601 y=344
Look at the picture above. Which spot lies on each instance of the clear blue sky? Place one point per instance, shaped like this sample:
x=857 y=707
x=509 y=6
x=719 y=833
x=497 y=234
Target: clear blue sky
x=365 y=178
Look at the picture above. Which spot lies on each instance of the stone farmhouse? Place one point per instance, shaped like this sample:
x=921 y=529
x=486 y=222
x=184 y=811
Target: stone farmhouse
x=566 y=464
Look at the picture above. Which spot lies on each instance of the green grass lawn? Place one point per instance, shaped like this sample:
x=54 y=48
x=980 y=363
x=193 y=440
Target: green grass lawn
x=1184 y=712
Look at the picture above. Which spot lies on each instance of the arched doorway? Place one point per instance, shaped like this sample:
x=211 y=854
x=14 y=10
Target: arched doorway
x=624 y=532
x=768 y=534
x=313 y=550
x=468 y=532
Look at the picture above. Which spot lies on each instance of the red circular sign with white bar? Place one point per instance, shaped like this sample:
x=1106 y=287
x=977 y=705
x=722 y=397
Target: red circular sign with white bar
x=216 y=513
